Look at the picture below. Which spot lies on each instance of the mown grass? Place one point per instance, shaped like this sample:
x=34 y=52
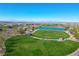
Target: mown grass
x=28 y=46
x=46 y=34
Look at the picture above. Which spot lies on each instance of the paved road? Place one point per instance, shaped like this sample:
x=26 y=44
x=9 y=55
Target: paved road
x=76 y=54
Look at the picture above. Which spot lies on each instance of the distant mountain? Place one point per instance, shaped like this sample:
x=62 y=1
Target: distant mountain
x=15 y=22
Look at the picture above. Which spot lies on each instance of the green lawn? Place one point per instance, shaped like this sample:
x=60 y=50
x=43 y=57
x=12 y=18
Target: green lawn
x=50 y=34
x=28 y=46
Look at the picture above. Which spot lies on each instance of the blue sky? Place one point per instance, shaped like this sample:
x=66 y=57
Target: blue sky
x=52 y=12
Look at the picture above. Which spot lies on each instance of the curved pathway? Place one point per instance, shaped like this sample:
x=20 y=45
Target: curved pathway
x=71 y=36
x=76 y=53
x=43 y=38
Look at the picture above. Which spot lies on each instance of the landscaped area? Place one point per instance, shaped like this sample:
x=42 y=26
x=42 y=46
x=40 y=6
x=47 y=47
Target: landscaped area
x=47 y=32
x=26 y=45
x=51 y=34
x=39 y=29
x=23 y=45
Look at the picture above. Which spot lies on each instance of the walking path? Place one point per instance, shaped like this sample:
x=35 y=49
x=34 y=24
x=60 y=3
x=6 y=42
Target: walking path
x=76 y=53
x=43 y=38
x=2 y=51
x=71 y=36
x=35 y=31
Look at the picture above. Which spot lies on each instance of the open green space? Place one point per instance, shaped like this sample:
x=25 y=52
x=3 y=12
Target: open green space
x=23 y=45
x=51 y=34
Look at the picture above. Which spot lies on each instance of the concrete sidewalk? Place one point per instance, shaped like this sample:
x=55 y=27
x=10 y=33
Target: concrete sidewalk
x=76 y=53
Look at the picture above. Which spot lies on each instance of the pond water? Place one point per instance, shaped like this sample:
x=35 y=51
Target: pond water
x=50 y=28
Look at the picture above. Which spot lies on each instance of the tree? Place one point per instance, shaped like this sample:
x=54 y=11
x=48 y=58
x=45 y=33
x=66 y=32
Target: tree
x=33 y=28
x=21 y=31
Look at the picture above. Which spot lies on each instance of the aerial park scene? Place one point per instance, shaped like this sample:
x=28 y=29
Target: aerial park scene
x=39 y=29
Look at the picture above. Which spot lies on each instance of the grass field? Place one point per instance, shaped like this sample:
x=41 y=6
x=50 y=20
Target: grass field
x=28 y=46
x=51 y=34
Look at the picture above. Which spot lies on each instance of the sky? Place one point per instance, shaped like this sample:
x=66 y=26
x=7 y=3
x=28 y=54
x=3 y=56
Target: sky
x=39 y=12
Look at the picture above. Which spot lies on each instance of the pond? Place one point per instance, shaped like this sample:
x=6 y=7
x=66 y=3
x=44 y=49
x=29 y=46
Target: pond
x=50 y=28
